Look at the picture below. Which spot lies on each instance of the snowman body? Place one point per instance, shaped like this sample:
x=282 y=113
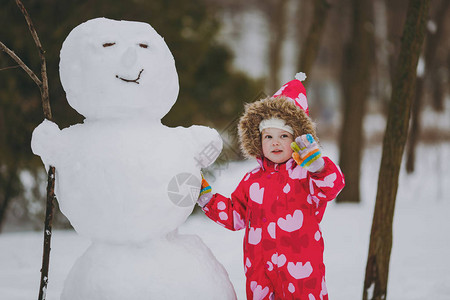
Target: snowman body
x=123 y=179
x=115 y=189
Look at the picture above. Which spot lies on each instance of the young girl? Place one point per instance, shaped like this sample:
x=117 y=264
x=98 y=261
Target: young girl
x=280 y=203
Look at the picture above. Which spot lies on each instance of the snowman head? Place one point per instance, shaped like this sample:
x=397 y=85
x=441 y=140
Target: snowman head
x=118 y=69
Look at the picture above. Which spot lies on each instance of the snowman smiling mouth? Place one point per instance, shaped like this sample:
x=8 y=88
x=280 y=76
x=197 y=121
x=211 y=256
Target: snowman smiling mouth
x=131 y=80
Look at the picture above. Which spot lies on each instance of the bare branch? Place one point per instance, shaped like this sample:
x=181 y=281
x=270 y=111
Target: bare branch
x=51 y=198
x=30 y=26
x=21 y=64
x=44 y=86
x=10 y=67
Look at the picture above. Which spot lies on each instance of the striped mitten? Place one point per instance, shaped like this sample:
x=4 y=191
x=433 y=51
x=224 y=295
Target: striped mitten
x=307 y=153
x=205 y=193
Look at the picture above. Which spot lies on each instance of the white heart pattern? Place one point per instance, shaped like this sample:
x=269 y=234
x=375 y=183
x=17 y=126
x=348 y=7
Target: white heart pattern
x=299 y=270
x=248 y=263
x=223 y=216
x=297 y=172
x=324 y=287
x=256 y=193
x=280 y=91
x=254 y=236
x=238 y=221
x=221 y=205
x=301 y=100
x=258 y=291
x=291 y=222
x=286 y=188
x=278 y=260
x=317 y=235
x=328 y=181
x=310 y=200
x=271 y=229
x=247 y=177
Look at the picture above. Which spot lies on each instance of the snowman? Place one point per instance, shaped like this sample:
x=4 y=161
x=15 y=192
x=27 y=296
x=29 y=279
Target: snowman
x=123 y=179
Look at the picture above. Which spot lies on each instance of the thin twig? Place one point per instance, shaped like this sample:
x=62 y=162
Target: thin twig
x=131 y=80
x=21 y=64
x=30 y=26
x=44 y=86
x=10 y=67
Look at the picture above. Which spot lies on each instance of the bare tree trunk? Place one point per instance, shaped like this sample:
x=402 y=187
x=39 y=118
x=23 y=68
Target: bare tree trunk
x=430 y=57
x=414 y=131
x=395 y=19
x=4 y=205
x=438 y=85
x=310 y=50
x=382 y=71
x=356 y=83
x=377 y=268
x=437 y=76
x=9 y=191
x=277 y=23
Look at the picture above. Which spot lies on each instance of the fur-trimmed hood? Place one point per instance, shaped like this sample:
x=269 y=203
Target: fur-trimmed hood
x=279 y=107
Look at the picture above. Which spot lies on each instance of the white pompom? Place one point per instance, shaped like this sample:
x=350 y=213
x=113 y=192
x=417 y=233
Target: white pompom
x=300 y=76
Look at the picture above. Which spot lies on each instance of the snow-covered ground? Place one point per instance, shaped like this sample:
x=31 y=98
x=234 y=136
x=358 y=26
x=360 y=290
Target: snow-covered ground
x=420 y=260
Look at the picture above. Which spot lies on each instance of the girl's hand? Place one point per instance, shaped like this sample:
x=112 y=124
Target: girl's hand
x=307 y=153
x=205 y=193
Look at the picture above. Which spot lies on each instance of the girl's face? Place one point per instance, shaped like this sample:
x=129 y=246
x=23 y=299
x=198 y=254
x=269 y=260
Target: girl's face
x=276 y=144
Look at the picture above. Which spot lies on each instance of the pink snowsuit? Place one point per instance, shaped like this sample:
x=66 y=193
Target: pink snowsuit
x=280 y=206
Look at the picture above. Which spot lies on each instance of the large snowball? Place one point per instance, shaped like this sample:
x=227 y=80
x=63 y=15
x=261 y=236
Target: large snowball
x=114 y=178
x=174 y=267
x=112 y=68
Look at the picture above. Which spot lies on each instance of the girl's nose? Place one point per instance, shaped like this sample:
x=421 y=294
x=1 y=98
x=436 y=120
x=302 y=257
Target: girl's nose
x=275 y=142
x=129 y=57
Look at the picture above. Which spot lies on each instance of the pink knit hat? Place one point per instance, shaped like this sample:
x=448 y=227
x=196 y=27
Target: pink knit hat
x=295 y=91
x=288 y=107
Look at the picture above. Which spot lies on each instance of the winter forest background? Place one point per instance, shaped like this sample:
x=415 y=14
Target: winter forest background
x=231 y=52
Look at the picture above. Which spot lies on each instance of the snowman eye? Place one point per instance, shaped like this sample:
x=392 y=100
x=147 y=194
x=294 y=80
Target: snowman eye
x=143 y=45
x=108 y=44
